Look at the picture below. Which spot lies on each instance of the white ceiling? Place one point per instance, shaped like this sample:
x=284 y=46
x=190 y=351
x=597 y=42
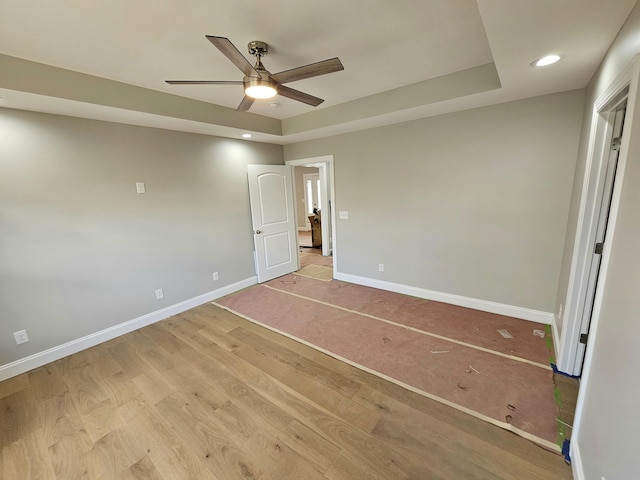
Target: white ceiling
x=383 y=45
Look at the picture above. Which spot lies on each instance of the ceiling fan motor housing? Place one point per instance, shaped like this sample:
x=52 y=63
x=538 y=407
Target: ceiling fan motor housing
x=258 y=48
x=262 y=86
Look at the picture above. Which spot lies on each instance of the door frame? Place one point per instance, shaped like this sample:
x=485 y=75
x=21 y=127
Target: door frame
x=305 y=176
x=327 y=182
x=569 y=355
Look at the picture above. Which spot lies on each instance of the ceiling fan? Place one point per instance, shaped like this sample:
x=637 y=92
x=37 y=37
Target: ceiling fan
x=260 y=83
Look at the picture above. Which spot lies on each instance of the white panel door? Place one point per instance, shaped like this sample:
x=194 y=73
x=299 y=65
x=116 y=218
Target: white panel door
x=274 y=222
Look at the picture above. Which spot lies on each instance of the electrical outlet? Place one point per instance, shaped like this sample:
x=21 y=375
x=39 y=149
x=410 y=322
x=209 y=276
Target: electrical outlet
x=21 y=337
x=381 y=267
x=215 y=276
x=140 y=187
x=159 y=294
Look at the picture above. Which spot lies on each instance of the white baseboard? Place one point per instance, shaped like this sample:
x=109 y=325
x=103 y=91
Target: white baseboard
x=52 y=354
x=576 y=461
x=304 y=229
x=476 y=304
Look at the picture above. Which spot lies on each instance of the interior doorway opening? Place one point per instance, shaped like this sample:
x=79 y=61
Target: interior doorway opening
x=316 y=193
x=598 y=208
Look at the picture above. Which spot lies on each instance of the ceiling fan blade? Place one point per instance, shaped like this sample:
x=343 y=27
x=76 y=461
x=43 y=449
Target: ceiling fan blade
x=204 y=82
x=308 y=71
x=299 y=96
x=232 y=53
x=245 y=104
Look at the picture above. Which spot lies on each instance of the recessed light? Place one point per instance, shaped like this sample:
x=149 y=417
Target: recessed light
x=246 y=135
x=546 y=60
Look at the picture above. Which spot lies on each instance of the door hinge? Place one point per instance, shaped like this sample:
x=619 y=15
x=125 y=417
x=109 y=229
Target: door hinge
x=599 y=248
x=616 y=143
x=583 y=338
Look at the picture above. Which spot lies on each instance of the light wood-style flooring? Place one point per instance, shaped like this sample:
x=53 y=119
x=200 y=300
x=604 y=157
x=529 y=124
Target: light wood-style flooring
x=208 y=395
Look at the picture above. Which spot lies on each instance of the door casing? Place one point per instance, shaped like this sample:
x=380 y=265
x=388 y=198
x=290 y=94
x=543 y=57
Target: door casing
x=328 y=200
x=569 y=351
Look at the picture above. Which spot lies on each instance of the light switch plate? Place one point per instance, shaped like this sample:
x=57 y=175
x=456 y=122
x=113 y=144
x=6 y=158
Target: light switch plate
x=344 y=215
x=140 y=187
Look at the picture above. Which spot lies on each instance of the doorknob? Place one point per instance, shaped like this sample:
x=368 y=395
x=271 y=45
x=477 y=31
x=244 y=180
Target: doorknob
x=258 y=232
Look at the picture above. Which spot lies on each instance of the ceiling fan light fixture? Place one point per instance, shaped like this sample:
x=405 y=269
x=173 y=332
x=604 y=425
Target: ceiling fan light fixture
x=259 y=88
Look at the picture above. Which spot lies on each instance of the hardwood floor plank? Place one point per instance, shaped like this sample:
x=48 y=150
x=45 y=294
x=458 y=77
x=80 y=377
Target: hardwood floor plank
x=68 y=455
x=330 y=378
x=165 y=449
x=346 y=467
x=279 y=460
x=101 y=419
x=144 y=469
x=14 y=385
x=154 y=385
x=340 y=406
x=18 y=417
x=120 y=388
x=127 y=357
x=163 y=339
x=59 y=418
x=310 y=445
x=46 y=382
x=214 y=449
x=112 y=454
x=26 y=458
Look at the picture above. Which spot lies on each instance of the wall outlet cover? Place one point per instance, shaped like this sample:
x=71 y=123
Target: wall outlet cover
x=21 y=337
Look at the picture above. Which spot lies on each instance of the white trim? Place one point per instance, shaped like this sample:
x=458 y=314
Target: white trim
x=576 y=461
x=592 y=183
x=468 y=302
x=304 y=229
x=56 y=353
x=556 y=339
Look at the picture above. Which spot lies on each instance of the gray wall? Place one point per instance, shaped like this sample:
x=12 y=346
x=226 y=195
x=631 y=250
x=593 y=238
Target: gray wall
x=80 y=251
x=608 y=432
x=473 y=203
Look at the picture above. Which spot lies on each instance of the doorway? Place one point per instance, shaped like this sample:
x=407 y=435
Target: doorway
x=597 y=213
x=308 y=195
x=325 y=196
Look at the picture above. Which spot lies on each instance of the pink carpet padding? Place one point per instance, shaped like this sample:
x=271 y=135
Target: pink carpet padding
x=462 y=324
x=507 y=392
